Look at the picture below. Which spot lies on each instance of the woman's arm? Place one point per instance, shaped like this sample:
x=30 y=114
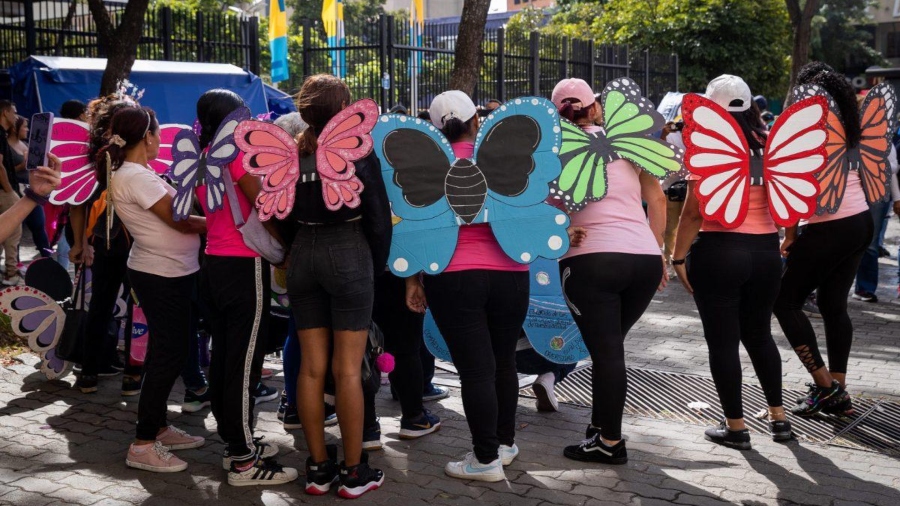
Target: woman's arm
x=12 y=218
x=250 y=186
x=163 y=210
x=688 y=228
x=652 y=194
x=42 y=182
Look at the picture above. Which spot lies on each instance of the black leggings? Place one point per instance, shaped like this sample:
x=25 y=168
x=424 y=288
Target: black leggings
x=607 y=293
x=824 y=258
x=735 y=279
x=480 y=314
x=402 y=330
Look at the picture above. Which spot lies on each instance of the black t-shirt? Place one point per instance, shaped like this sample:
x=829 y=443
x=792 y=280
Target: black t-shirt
x=9 y=163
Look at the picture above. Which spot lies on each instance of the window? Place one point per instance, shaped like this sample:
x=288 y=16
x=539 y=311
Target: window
x=896 y=8
x=892 y=45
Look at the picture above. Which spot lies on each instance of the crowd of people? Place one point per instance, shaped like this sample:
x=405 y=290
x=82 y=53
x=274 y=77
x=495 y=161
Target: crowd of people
x=623 y=248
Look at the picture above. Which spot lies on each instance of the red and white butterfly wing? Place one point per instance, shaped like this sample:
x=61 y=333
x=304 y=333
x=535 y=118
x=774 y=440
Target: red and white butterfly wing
x=876 y=120
x=34 y=316
x=795 y=152
x=716 y=152
x=70 y=141
x=272 y=153
x=163 y=161
x=344 y=140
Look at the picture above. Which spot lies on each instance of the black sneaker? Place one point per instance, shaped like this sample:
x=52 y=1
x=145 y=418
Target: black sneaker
x=265 y=451
x=108 y=370
x=816 y=398
x=282 y=406
x=359 y=479
x=262 y=472
x=291 y=419
x=739 y=439
x=131 y=385
x=117 y=364
x=321 y=475
x=591 y=431
x=194 y=402
x=780 y=430
x=840 y=404
x=263 y=393
x=414 y=428
x=87 y=383
x=372 y=438
x=594 y=450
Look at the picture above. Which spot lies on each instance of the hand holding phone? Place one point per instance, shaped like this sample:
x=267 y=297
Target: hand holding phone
x=39 y=140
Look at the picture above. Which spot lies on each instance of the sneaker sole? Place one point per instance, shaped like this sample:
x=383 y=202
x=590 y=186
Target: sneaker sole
x=88 y=390
x=155 y=469
x=506 y=461
x=811 y=314
x=429 y=398
x=186 y=446
x=490 y=478
x=293 y=426
x=371 y=446
x=331 y=421
x=248 y=483
x=729 y=444
x=193 y=408
x=600 y=458
x=268 y=398
x=544 y=401
x=316 y=489
x=415 y=434
x=782 y=436
x=353 y=493
x=108 y=374
x=130 y=393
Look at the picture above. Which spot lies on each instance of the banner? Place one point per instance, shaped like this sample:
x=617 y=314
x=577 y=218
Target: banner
x=278 y=43
x=333 y=18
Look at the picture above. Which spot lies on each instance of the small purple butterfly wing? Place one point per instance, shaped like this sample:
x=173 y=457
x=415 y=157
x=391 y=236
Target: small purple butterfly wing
x=185 y=168
x=33 y=315
x=222 y=151
x=52 y=366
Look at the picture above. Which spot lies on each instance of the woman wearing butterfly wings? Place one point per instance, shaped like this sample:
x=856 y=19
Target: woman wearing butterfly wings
x=162 y=267
x=825 y=256
x=744 y=182
x=614 y=266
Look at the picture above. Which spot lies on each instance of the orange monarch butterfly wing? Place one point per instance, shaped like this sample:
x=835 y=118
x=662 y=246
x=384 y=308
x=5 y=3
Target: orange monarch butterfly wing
x=876 y=114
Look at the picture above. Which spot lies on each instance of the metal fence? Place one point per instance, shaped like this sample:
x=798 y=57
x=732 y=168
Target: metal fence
x=383 y=60
x=32 y=27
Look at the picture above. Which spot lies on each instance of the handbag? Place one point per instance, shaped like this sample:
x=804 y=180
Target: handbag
x=256 y=237
x=70 y=344
x=371 y=375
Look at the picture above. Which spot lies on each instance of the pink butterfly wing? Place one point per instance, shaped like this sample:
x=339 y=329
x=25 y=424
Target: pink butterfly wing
x=33 y=315
x=164 y=159
x=272 y=153
x=795 y=152
x=346 y=139
x=342 y=193
x=70 y=142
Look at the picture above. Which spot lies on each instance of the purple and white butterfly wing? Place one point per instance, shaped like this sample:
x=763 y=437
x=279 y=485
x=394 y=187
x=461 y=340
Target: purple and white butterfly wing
x=184 y=171
x=52 y=366
x=222 y=151
x=33 y=316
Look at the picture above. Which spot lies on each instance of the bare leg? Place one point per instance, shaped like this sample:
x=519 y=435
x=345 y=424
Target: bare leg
x=349 y=347
x=311 y=389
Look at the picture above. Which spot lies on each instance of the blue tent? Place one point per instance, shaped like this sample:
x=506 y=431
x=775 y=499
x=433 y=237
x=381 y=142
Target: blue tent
x=280 y=103
x=43 y=83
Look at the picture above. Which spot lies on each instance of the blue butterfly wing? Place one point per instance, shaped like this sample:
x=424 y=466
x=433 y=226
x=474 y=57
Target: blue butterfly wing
x=548 y=324
x=185 y=168
x=517 y=149
x=526 y=233
x=415 y=159
x=434 y=341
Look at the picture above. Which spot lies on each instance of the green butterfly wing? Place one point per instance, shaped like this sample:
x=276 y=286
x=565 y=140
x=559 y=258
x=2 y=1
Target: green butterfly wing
x=629 y=119
x=583 y=157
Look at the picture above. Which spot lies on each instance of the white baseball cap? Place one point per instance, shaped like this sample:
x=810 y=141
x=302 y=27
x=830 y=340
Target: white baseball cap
x=451 y=104
x=726 y=89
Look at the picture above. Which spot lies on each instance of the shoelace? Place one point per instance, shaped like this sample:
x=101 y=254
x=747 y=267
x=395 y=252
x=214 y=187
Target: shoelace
x=161 y=451
x=178 y=431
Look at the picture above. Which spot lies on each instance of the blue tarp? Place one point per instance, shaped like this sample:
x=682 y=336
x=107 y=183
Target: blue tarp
x=280 y=103
x=43 y=83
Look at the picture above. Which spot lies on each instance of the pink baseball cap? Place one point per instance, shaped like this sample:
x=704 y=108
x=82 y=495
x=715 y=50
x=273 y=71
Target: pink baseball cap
x=573 y=88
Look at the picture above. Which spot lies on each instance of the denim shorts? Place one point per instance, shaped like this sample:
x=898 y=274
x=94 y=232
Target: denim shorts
x=330 y=279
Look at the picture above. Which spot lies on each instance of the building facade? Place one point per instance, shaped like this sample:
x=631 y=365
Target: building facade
x=516 y=5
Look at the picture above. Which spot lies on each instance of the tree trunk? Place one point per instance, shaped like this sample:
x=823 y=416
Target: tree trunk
x=801 y=22
x=118 y=43
x=469 y=53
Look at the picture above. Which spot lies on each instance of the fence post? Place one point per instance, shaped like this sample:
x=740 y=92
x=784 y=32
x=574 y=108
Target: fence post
x=167 y=33
x=306 y=35
x=382 y=64
x=592 y=62
x=535 y=64
x=564 y=62
x=646 y=72
x=627 y=60
x=200 y=36
x=392 y=67
x=30 y=32
x=501 y=71
x=253 y=43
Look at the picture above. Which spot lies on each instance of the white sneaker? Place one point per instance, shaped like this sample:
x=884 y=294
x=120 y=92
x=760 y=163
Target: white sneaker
x=12 y=280
x=543 y=390
x=155 y=457
x=508 y=454
x=262 y=472
x=470 y=469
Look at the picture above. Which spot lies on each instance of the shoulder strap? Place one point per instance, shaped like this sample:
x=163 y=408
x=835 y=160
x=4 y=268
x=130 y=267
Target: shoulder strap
x=232 y=198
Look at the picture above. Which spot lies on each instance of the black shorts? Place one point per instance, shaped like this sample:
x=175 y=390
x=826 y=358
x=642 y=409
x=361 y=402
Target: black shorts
x=330 y=279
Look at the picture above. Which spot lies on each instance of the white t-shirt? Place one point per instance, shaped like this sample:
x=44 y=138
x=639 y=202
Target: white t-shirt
x=158 y=248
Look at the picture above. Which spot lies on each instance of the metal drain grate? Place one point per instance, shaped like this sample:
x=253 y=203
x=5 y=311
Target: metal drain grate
x=692 y=399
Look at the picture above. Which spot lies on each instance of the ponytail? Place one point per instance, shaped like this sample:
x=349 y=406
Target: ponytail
x=308 y=142
x=568 y=111
x=454 y=128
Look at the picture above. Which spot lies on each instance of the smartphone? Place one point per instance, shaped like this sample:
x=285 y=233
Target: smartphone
x=39 y=140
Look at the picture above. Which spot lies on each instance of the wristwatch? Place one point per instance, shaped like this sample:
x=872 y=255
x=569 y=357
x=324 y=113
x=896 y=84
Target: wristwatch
x=678 y=262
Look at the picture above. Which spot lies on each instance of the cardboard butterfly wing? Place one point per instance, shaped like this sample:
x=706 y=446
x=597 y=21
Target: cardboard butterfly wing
x=163 y=161
x=70 y=141
x=549 y=325
x=878 y=121
x=415 y=162
x=36 y=317
x=271 y=153
x=517 y=151
x=345 y=139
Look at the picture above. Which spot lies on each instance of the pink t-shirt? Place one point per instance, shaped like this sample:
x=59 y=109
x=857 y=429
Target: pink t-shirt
x=759 y=218
x=477 y=248
x=854 y=201
x=222 y=237
x=616 y=224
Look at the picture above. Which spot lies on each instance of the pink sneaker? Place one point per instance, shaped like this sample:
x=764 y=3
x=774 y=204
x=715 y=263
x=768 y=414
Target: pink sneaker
x=155 y=457
x=177 y=439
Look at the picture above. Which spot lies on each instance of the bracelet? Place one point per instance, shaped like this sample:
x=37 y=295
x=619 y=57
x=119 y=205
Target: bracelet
x=678 y=262
x=39 y=200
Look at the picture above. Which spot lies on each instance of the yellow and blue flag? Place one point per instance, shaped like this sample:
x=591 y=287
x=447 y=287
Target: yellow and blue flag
x=278 y=43
x=333 y=18
x=416 y=32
